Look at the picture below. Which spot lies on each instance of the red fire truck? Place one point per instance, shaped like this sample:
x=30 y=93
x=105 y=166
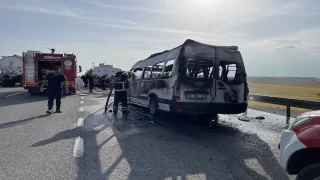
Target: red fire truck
x=36 y=66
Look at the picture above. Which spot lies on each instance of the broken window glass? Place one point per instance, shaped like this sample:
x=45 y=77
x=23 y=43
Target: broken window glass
x=147 y=72
x=168 y=68
x=157 y=70
x=137 y=74
x=228 y=72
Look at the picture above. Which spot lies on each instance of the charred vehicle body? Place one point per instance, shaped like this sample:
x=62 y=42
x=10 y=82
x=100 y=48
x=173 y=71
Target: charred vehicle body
x=193 y=78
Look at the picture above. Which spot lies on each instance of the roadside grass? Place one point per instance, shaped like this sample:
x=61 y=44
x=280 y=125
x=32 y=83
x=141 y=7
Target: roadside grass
x=293 y=92
x=276 y=109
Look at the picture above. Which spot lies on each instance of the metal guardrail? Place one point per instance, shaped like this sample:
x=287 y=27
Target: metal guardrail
x=313 y=105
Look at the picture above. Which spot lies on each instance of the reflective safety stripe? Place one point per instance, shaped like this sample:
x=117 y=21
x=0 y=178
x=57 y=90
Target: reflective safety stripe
x=123 y=86
x=121 y=90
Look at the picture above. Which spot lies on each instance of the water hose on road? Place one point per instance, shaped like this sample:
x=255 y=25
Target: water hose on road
x=99 y=89
x=106 y=106
x=109 y=105
x=81 y=89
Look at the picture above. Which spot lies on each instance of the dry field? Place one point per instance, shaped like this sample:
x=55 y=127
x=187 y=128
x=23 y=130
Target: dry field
x=294 y=92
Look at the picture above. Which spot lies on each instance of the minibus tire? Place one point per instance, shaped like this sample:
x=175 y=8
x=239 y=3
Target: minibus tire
x=153 y=107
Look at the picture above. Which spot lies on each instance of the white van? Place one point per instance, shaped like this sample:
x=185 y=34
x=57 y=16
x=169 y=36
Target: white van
x=193 y=78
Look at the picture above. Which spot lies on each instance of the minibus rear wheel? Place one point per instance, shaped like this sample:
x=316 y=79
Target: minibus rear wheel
x=153 y=107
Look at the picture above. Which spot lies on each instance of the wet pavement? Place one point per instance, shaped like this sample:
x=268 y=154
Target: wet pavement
x=138 y=146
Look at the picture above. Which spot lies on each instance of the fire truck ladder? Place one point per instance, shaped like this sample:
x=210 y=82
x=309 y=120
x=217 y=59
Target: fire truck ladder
x=29 y=66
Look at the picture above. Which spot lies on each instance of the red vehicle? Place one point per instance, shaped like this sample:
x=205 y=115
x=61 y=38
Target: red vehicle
x=300 y=147
x=36 y=66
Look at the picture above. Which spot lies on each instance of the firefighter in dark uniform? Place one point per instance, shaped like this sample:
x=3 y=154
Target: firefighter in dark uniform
x=85 y=80
x=90 y=79
x=120 y=92
x=54 y=89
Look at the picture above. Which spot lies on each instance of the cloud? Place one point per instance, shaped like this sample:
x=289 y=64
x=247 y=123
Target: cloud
x=122 y=24
x=285 y=48
x=228 y=37
x=65 y=13
x=290 y=47
x=285 y=41
x=126 y=8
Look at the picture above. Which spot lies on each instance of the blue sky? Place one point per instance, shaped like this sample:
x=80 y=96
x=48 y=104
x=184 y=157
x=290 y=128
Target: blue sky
x=275 y=37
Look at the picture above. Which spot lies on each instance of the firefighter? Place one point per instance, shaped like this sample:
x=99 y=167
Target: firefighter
x=91 y=81
x=103 y=81
x=54 y=89
x=85 y=80
x=120 y=92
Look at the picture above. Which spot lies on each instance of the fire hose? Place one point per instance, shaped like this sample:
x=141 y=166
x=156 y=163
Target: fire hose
x=106 y=106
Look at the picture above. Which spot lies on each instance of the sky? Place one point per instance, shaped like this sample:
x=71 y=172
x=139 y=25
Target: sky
x=275 y=37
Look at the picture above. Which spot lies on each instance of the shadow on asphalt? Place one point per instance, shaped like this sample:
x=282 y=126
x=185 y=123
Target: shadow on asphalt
x=7 y=87
x=7 y=93
x=20 y=122
x=72 y=133
x=22 y=98
x=177 y=147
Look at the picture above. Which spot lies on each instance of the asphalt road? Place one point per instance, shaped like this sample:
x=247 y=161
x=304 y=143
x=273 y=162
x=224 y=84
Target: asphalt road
x=33 y=144
x=84 y=143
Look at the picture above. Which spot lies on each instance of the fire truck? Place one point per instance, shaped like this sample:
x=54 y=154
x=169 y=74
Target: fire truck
x=37 y=65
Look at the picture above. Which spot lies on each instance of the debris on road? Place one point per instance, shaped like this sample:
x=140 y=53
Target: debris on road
x=246 y=118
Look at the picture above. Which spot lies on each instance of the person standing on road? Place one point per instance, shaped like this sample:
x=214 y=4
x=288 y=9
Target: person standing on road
x=120 y=92
x=54 y=89
x=91 y=82
x=103 y=80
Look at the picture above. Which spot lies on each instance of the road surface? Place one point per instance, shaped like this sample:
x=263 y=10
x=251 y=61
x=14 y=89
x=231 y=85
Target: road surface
x=84 y=143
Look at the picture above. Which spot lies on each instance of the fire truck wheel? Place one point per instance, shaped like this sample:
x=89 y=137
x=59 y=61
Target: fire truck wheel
x=310 y=172
x=12 y=83
x=72 y=91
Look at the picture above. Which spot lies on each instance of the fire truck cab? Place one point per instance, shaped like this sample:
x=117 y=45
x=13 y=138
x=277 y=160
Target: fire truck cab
x=37 y=65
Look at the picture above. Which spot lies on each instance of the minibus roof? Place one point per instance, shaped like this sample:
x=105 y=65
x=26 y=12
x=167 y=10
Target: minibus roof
x=173 y=53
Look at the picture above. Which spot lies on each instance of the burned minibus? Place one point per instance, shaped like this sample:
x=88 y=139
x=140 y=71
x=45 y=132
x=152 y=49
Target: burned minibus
x=193 y=78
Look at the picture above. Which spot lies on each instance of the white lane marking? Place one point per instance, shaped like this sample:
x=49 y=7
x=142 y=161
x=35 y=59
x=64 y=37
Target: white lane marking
x=16 y=93
x=81 y=102
x=80 y=121
x=81 y=109
x=81 y=97
x=78 y=149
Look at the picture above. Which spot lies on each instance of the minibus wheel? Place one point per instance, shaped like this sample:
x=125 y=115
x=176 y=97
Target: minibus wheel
x=153 y=106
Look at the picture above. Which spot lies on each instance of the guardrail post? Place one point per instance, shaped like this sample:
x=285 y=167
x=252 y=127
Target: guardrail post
x=288 y=114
